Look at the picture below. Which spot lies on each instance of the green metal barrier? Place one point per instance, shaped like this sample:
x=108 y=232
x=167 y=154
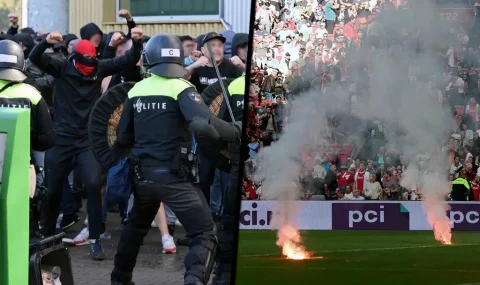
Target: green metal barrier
x=14 y=195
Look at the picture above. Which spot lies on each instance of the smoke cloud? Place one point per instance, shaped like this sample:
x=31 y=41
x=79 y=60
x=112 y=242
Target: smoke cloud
x=404 y=72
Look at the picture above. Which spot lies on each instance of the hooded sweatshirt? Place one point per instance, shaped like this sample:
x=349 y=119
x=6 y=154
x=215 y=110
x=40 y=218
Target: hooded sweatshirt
x=87 y=32
x=229 y=35
x=238 y=40
x=27 y=42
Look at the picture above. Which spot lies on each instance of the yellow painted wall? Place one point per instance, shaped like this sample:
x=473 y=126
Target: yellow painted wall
x=102 y=12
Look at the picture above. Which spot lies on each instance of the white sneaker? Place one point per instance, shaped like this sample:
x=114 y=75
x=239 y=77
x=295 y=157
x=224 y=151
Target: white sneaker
x=83 y=238
x=168 y=244
x=154 y=225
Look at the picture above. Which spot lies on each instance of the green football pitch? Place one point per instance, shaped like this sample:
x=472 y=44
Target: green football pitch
x=361 y=257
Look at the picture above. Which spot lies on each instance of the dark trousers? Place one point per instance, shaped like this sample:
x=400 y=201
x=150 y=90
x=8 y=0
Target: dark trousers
x=67 y=204
x=330 y=25
x=229 y=230
x=189 y=206
x=58 y=164
x=206 y=173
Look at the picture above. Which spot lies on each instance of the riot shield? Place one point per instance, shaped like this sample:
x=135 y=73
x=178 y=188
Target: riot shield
x=103 y=122
x=217 y=152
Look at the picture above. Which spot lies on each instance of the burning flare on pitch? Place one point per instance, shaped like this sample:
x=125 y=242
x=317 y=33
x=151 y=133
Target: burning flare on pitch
x=289 y=239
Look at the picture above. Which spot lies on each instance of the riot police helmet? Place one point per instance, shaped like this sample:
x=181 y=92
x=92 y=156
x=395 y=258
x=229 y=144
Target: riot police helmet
x=163 y=56
x=12 y=62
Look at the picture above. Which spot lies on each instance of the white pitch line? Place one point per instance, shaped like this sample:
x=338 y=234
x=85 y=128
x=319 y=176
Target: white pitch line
x=368 y=249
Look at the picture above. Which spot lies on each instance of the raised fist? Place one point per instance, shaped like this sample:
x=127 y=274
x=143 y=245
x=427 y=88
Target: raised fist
x=137 y=34
x=196 y=55
x=124 y=13
x=202 y=61
x=116 y=39
x=13 y=18
x=54 y=38
x=237 y=62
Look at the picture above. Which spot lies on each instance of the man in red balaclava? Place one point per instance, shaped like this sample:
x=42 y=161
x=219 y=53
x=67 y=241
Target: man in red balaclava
x=85 y=57
x=77 y=88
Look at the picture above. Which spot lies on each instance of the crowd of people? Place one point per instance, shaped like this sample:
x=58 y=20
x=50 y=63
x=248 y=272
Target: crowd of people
x=72 y=72
x=329 y=46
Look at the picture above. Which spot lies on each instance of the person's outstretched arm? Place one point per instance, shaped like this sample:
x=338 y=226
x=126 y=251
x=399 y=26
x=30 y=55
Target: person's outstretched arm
x=49 y=64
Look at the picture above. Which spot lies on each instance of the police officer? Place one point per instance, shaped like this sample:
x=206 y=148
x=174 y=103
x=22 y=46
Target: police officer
x=157 y=120
x=15 y=94
x=461 y=188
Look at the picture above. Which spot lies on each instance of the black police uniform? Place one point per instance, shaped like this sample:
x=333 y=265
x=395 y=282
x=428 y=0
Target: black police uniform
x=231 y=208
x=15 y=94
x=155 y=122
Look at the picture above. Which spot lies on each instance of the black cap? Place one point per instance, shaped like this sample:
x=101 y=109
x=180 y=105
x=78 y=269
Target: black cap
x=199 y=40
x=211 y=36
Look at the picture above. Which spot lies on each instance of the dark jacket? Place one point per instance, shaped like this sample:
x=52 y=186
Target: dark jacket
x=87 y=32
x=130 y=74
x=229 y=43
x=41 y=80
x=237 y=41
x=75 y=94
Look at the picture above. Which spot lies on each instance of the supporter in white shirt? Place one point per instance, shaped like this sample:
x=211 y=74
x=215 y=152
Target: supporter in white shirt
x=297 y=13
x=288 y=44
x=348 y=192
x=455 y=166
x=307 y=31
x=356 y=196
x=372 y=189
x=313 y=3
x=410 y=195
x=319 y=170
x=321 y=31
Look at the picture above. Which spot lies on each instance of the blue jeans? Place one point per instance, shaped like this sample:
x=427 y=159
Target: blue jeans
x=268 y=95
x=219 y=186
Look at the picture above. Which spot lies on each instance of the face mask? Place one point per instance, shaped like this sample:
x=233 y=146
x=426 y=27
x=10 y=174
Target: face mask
x=85 y=65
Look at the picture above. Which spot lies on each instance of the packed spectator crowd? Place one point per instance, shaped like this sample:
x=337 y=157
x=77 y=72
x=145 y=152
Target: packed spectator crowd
x=329 y=45
x=122 y=51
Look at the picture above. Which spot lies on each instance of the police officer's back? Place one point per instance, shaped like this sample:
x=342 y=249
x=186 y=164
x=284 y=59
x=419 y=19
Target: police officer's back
x=158 y=117
x=461 y=189
x=15 y=94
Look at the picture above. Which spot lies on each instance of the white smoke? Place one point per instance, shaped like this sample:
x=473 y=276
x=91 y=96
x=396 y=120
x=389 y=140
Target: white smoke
x=416 y=123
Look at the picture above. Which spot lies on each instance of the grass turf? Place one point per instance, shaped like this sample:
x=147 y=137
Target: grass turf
x=361 y=257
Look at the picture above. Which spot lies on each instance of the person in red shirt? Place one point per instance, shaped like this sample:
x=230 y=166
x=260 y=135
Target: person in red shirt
x=249 y=191
x=345 y=178
x=476 y=188
x=361 y=176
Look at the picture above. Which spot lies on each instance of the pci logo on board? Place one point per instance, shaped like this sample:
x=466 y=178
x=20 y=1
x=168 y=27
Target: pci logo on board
x=370 y=216
x=252 y=216
x=464 y=217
